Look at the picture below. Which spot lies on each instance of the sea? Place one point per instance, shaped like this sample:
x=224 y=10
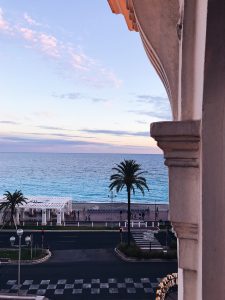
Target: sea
x=84 y=177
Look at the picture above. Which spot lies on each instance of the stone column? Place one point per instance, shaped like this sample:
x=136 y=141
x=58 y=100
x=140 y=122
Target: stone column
x=43 y=221
x=62 y=215
x=180 y=143
x=69 y=206
x=48 y=214
x=59 y=218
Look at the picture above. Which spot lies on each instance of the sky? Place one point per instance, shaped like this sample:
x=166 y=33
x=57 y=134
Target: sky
x=74 y=79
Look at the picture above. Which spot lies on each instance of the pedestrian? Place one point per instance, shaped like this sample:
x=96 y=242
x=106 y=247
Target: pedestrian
x=89 y=218
x=143 y=215
x=78 y=215
x=121 y=215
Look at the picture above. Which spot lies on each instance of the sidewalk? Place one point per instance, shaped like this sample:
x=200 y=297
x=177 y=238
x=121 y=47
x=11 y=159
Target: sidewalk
x=118 y=212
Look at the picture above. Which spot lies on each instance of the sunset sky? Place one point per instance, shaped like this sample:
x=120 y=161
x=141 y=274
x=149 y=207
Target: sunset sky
x=74 y=79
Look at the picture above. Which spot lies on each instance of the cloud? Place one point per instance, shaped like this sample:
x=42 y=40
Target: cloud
x=151 y=99
x=30 y=20
x=38 y=142
x=57 y=134
x=44 y=114
x=92 y=71
x=78 y=96
x=158 y=107
x=46 y=43
x=3 y=23
x=160 y=114
x=49 y=127
x=115 y=132
x=69 y=57
x=111 y=77
x=70 y=96
x=9 y=122
x=80 y=61
x=49 y=44
x=31 y=144
x=28 y=34
x=98 y=99
x=141 y=122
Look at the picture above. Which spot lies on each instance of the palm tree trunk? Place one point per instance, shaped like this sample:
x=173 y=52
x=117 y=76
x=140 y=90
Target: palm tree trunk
x=128 y=217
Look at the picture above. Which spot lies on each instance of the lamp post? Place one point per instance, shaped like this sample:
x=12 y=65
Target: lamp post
x=112 y=196
x=155 y=210
x=12 y=241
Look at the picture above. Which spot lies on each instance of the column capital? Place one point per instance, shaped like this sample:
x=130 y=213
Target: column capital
x=186 y=230
x=179 y=141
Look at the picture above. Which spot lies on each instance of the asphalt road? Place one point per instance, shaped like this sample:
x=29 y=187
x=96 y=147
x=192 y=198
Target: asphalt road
x=84 y=266
x=68 y=240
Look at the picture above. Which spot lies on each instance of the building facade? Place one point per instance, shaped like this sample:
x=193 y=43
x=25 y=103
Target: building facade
x=185 y=42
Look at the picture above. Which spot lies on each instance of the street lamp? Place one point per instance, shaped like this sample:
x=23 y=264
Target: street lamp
x=12 y=239
x=112 y=196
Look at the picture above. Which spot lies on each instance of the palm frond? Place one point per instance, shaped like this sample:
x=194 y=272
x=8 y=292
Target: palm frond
x=128 y=173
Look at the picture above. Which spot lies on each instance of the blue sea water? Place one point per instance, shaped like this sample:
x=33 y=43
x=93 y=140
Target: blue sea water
x=84 y=177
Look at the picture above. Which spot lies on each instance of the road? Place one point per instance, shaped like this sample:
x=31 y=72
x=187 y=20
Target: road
x=84 y=265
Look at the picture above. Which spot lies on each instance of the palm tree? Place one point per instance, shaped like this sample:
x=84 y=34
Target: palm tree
x=12 y=200
x=128 y=175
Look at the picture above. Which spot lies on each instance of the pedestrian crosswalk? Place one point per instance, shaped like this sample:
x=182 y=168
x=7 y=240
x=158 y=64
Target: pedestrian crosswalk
x=53 y=288
x=146 y=239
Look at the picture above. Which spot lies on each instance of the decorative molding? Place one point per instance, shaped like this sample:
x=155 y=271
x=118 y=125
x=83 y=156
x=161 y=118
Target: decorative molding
x=132 y=16
x=125 y=7
x=179 y=141
x=186 y=230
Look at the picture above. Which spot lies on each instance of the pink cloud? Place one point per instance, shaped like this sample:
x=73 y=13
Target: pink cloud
x=46 y=43
x=30 y=20
x=111 y=77
x=28 y=34
x=80 y=61
x=84 y=67
x=49 y=44
x=3 y=23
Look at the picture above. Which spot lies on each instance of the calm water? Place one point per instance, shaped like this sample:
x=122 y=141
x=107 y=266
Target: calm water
x=84 y=177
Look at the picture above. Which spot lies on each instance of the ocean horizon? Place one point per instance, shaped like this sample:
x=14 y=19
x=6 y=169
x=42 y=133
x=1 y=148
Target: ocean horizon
x=84 y=177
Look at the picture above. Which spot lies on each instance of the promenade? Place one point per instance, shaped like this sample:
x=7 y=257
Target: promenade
x=118 y=212
x=84 y=213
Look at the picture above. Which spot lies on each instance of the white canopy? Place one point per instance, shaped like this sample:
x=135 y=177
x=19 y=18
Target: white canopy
x=46 y=202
